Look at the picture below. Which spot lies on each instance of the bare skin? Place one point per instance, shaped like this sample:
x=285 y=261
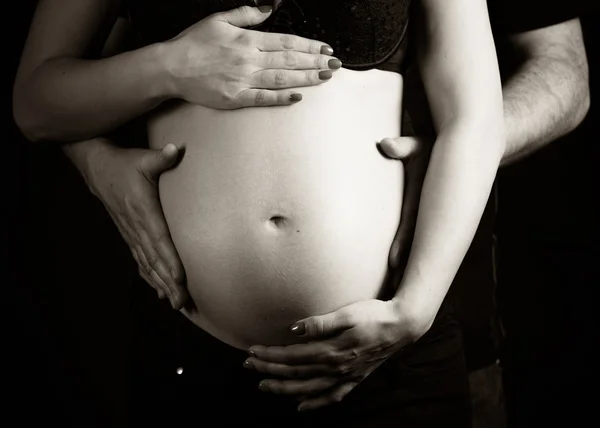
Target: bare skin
x=445 y=226
x=53 y=100
x=546 y=96
x=215 y=63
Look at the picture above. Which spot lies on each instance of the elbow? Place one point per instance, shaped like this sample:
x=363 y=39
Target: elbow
x=575 y=113
x=496 y=138
x=577 y=108
x=486 y=133
x=582 y=108
x=26 y=126
x=490 y=124
x=27 y=119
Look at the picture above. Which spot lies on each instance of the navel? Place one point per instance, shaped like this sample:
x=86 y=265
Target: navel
x=279 y=221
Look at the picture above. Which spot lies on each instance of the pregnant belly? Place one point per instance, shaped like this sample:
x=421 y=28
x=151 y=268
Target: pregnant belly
x=280 y=213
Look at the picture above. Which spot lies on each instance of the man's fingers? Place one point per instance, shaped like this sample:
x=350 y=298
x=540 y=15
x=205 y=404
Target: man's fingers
x=174 y=299
x=244 y=16
x=145 y=277
x=156 y=265
x=160 y=240
x=274 y=42
x=336 y=395
x=155 y=162
x=167 y=252
x=401 y=244
x=401 y=148
x=297 y=387
x=148 y=269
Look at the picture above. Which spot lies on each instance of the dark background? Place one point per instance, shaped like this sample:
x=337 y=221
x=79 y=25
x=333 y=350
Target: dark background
x=68 y=328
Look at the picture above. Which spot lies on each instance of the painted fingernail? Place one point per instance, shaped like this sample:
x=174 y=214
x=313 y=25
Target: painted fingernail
x=252 y=353
x=326 y=50
x=298 y=329
x=325 y=74
x=295 y=97
x=263 y=386
x=265 y=9
x=248 y=364
x=334 y=63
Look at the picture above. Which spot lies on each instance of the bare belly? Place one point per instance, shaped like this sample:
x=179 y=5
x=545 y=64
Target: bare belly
x=280 y=213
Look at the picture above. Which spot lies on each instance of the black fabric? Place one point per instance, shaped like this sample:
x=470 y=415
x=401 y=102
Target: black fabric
x=423 y=386
x=549 y=239
x=363 y=34
x=514 y=16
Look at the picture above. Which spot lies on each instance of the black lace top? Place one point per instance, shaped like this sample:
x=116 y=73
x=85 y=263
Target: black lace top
x=363 y=33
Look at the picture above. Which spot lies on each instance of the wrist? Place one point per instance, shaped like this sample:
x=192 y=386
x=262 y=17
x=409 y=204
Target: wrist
x=415 y=311
x=168 y=59
x=162 y=63
x=84 y=156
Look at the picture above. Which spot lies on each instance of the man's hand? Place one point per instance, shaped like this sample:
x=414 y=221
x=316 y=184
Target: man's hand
x=414 y=153
x=344 y=347
x=126 y=181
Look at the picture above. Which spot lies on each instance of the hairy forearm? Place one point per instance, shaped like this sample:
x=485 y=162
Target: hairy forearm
x=69 y=99
x=459 y=179
x=546 y=96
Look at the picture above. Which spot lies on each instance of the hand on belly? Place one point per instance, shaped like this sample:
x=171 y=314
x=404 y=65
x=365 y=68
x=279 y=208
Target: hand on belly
x=280 y=216
x=251 y=280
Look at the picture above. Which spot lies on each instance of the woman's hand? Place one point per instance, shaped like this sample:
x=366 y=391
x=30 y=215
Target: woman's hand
x=217 y=64
x=343 y=348
x=125 y=180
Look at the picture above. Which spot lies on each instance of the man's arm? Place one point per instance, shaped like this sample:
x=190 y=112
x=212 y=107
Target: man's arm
x=546 y=93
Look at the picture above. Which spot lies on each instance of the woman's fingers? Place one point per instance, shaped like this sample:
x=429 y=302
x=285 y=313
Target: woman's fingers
x=336 y=395
x=292 y=60
x=271 y=87
x=279 y=79
x=297 y=387
x=266 y=97
x=273 y=42
x=289 y=371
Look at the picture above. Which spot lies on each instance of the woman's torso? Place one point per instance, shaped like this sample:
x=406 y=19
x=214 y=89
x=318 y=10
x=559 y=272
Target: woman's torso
x=280 y=213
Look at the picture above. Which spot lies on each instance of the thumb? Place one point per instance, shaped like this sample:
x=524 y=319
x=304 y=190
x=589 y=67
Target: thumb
x=321 y=326
x=155 y=162
x=245 y=16
x=401 y=148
